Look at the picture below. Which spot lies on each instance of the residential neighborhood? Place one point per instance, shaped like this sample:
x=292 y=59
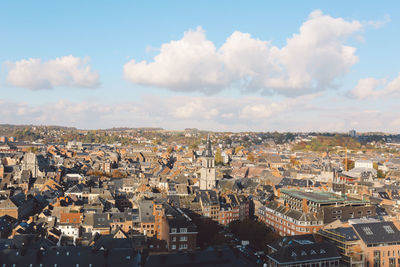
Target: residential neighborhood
x=269 y=199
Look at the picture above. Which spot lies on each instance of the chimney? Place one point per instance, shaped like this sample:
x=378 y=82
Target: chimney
x=305 y=205
x=389 y=193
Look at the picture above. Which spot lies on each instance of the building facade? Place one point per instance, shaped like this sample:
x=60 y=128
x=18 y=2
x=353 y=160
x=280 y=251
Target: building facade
x=287 y=222
x=208 y=178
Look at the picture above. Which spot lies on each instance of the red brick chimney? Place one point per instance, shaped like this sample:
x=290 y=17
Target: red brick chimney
x=305 y=205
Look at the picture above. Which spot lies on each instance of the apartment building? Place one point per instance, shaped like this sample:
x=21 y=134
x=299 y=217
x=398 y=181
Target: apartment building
x=332 y=206
x=287 y=221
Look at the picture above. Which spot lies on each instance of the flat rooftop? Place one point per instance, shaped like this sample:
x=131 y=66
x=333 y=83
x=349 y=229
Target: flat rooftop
x=319 y=196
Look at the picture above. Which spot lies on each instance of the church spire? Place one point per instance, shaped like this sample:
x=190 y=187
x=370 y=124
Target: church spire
x=208 y=152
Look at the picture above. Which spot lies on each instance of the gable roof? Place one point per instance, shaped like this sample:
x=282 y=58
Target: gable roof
x=377 y=232
x=71 y=218
x=299 y=251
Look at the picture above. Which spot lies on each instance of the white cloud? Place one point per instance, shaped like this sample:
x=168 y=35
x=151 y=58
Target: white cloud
x=311 y=60
x=379 y=23
x=175 y=112
x=194 y=108
x=373 y=88
x=36 y=74
x=247 y=113
x=191 y=63
x=260 y=111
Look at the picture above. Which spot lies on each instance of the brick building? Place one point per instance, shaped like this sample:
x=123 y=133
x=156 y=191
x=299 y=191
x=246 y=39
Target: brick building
x=287 y=221
x=331 y=205
x=380 y=242
x=209 y=204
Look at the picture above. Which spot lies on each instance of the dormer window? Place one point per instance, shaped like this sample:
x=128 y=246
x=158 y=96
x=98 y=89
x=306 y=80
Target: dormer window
x=183 y=230
x=173 y=230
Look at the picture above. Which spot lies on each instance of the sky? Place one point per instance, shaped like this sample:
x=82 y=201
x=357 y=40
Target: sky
x=212 y=65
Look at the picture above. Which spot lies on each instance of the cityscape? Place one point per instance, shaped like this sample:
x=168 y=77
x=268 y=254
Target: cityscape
x=199 y=133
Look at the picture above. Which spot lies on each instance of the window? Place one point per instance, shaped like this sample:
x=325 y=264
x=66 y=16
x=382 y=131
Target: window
x=183 y=230
x=174 y=239
x=183 y=238
x=173 y=230
x=367 y=230
x=183 y=246
x=173 y=247
x=377 y=258
x=388 y=229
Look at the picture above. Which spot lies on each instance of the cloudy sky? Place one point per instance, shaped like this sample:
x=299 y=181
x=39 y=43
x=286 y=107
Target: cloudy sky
x=214 y=65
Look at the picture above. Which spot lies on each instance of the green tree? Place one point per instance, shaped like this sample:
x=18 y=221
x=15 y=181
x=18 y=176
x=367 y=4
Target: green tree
x=218 y=157
x=251 y=157
x=237 y=149
x=256 y=232
x=350 y=164
x=380 y=174
x=375 y=165
x=208 y=231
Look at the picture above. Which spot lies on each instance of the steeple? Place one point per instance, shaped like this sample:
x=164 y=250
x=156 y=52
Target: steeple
x=207 y=172
x=208 y=151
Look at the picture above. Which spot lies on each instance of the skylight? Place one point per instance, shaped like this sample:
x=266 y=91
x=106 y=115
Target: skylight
x=388 y=229
x=303 y=242
x=367 y=230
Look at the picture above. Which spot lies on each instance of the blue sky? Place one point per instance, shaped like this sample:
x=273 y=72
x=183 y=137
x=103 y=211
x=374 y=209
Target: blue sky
x=201 y=79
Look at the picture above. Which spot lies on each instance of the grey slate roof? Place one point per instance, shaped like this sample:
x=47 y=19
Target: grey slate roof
x=146 y=211
x=224 y=257
x=302 y=251
x=377 y=232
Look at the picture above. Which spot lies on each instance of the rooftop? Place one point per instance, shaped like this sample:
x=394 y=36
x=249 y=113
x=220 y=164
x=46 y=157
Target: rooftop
x=378 y=232
x=318 y=196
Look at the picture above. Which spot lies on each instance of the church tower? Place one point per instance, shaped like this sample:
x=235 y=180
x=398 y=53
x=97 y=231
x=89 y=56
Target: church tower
x=207 y=172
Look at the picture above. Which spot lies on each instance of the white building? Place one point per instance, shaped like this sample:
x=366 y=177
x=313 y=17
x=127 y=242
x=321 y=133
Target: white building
x=364 y=164
x=207 y=172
